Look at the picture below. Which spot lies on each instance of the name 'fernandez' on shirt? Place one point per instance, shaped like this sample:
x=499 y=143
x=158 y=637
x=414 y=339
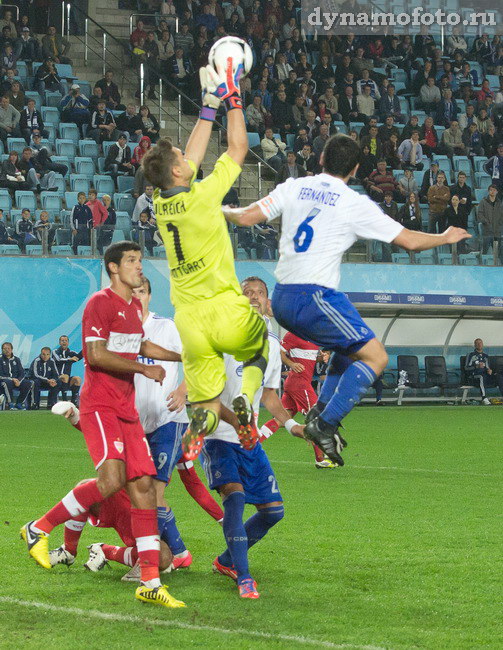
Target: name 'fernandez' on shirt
x=320 y=196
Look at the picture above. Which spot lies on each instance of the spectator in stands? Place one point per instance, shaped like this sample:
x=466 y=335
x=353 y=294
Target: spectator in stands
x=256 y=116
x=306 y=159
x=490 y=141
x=75 y=108
x=407 y=183
x=55 y=46
x=81 y=219
x=35 y=175
x=24 y=230
x=47 y=78
x=11 y=176
x=429 y=179
x=282 y=115
x=106 y=231
x=12 y=379
x=388 y=206
x=7 y=21
x=409 y=215
x=152 y=64
x=456 y=42
x=387 y=129
x=452 y=140
x=44 y=375
x=366 y=103
x=9 y=120
x=454 y=216
x=8 y=59
x=472 y=139
x=102 y=124
x=368 y=162
x=140 y=150
x=291 y=169
x=447 y=109
x=30 y=47
x=494 y=167
x=5 y=237
x=137 y=34
x=479 y=372
x=207 y=19
x=184 y=39
x=348 y=106
x=110 y=91
x=320 y=142
x=118 y=159
x=411 y=125
x=490 y=215
x=31 y=120
x=381 y=181
x=410 y=153
x=428 y=137
x=273 y=150
x=390 y=105
x=64 y=358
x=144 y=203
x=148 y=124
x=98 y=210
x=373 y=142
x=430 y=96
x=43 y=225
x=439 y=196
x=42 y=157
x=483 y=121
x=16 y=96
x=301 y=139
x=266 y=237
x=129 y=123
x=464 y=192
x=7 y=81
x=144 y=225
x=283 y=68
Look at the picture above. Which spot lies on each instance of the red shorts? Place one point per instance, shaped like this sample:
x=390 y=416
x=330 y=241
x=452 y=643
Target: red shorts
x=110 y=438
x=115 y=512
x=299 y=399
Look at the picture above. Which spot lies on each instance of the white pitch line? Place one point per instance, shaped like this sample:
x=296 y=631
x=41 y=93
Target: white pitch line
x=139 y=620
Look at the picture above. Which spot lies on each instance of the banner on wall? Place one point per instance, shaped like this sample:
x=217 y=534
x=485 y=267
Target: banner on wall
x=41 y=299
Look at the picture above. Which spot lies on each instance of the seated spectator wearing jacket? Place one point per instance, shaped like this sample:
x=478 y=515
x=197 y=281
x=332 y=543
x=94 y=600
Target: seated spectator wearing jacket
x=64 y=358
x=490 y=215
x=102 y=124
x=256 y=116
x=430 y=96
x=381 y=181
x=5 y=237
x=447 y=109
x=30 y=47
x=44 y=374
x=472 y=139
x=55 y=46
x=17 y=97
x=479 y=372
x=9 y=120
x=44 y=228
x=410 y=153
x=290 y=169
x=24 y=230
x=118 y=158
x=366 y=103
x=81 y=220
x=110 y=91
x=75 y=107
x=407 y=183
x=144 y=203
x=42 y=157
x=30 y=121
x=129 y=123
x=464 y=192
x=494 y=167
x=390 y=105
x=409 y=214
x=11 y=176
x=452 y=140
x=273 y=150
x=12 y=379
x=148 y=124
x=179 y=70
x=439 y=196
x=140 y=150
x=35 y=175
x=147 y=227
x=282 y=116
x=307 y=160
x=106 y=231
x=47 y=78
x=388 y=206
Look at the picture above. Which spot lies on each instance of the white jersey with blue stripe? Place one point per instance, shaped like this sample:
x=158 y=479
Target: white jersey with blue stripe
x=321 y=218
x=234 y=371
x=150 y=395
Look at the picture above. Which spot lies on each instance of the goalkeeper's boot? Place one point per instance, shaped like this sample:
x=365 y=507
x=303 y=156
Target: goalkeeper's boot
x=37 y=543
x=248 y=433
x=193 y=438
x=248 y=589
x=313 y=413
x=327 y=439
x=61 y=556
x=97 y=559
x=229 y=571
x=157 y=596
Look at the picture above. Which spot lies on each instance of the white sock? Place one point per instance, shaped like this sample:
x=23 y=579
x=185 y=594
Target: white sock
x=152 y=584
x=182 y=554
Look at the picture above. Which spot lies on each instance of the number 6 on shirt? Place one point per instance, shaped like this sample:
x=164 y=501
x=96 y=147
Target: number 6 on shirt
x=301 y=243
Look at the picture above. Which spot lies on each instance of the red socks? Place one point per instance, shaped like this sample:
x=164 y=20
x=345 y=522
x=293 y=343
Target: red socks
x=125 y=555
x=146 y=533
x=198 y=491
x=77 y=502
x=73 y=531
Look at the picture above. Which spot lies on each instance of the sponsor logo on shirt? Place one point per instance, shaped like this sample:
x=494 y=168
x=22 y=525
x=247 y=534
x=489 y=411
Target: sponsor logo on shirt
x=122 y=313
x=95 y=329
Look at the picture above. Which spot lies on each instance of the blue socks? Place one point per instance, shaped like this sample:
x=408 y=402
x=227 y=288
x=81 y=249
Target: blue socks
x=169 y=532
x=337 y=365
x=352 y=386
x=235 y=535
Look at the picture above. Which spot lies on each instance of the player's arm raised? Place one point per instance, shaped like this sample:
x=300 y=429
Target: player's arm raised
x=414 y=240
x=98 y=356
x=154 y=351
x=273 y=404
x=247 y=216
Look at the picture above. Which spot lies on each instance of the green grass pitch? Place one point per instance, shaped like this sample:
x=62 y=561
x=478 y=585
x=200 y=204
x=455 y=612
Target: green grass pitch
x=399 y=549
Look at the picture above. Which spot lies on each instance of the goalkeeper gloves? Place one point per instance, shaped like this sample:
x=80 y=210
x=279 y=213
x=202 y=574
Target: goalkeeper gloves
x=211 y=101
x=220 y=87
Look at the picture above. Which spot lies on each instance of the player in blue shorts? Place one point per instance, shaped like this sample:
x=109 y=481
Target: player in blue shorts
x=321 y=219
x=246 y=476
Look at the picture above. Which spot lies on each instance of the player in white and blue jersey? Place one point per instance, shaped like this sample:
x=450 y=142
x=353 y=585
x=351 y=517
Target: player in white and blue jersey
x=246 y=476
x=321 y=218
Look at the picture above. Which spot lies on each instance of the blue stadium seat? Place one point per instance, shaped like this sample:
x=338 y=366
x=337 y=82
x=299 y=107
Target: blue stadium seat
x=50 y=115
x=118 y=236
x=85 y=167
x=480 y=193
x=356 y=126
x=88 y=149
x=50 y=201
x=69 y=131
x=79 y=183
x=31 y=94
x=123 y=221
x=22 y=69
x=487 y=260
x=341 y=127
x=16 y=144
x=125 y=183
x=51 y=133
x=52 y=98
x=65 y=71
x=101 y=165
x=104 y=184
x=70 y=199
x=462 y=164
x=5 y=202
x=124 y=203
x=9 y=249
x=59 y=182
x=400 y=258
x=63 y=160
x=159 y=251
x=425 y=257
x=25 y=199
x=445 y=259
x=479 y=162
x=106 y=146
x=85 y=87
x=253 y=140
x=33 y=249
x=65 y=148
x=290 y=140
x=62 y=250
x=494 y=81
x=469 y=259
x=482 y=180
x=63 y=236
x=84 y=251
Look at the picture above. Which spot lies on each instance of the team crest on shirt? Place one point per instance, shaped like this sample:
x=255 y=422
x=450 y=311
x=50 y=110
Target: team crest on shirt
x=239 y=371
x=119 y=445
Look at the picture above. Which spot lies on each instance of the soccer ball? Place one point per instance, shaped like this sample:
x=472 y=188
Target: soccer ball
x=234 y=48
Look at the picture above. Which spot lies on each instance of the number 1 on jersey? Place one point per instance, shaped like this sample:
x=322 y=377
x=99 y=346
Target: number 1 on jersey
x=304 y=235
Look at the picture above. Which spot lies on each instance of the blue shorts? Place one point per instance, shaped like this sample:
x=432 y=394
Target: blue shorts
x=226 y=462
x=166 y=448
x=320 y=315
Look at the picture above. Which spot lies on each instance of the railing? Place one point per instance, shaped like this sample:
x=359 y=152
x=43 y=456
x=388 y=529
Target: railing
x=12 y=7
x=168 y=19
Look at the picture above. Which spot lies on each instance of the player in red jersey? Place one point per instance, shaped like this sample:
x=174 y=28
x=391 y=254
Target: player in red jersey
x=112 y=334
x=299 y=395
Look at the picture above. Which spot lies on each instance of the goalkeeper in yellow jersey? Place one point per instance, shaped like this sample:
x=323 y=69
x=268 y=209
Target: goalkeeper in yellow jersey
x=211 y=313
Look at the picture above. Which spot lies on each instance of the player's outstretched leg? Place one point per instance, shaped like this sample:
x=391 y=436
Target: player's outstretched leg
x=67 y=553
x=253 y=375
x=247 y=432
x=169 y=533
x=203 y=422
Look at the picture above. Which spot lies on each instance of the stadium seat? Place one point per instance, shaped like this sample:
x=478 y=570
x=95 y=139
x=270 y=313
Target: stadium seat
x=9 y=249
x=124 y=203
x=65 y=71
x=51 y=133
x=52 y=98
x=25 y=199
x=253 y=140
x=69 y=131
x=445 y=259
x=480 y=194
x=88 y=149
x=356 y=126
x=468 y=259
x=33 y=249
x=63 y=236
x=71 y=199
x=50 y=201
x=104 y=184
x=479 y=162
x=462 y=164
x=79 y=183
x=436 y=373
x=125 y=183
x=159 y=251
x=85 y=87
x=16 y=144
x=63 y=160
x=424 y=257
x=31 y=94
x=123 y=221
x=50 y=115
x=494 y=81
x=100 y=164
x=341 y=127
x=61 y=250
x=482 y=180
x=400 y=258
x=84 y=251
x=118 y=236
x=487 y=260
x=85 y=167
x=410 y=364
x=5 y=203
x=290 y=140
x=65 y=148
